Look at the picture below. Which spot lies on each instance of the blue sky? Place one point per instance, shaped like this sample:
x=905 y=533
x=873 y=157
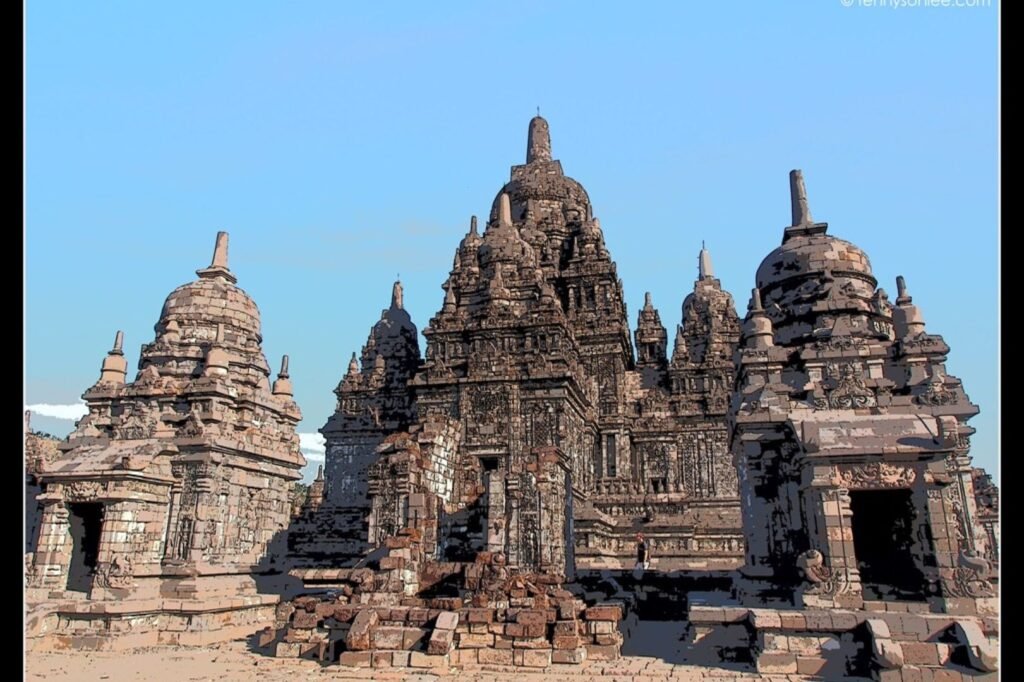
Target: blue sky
x=342 y=144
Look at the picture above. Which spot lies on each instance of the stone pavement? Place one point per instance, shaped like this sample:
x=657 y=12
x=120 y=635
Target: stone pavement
x=233 y=661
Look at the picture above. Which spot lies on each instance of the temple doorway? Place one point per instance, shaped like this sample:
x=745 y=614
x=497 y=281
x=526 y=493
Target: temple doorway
x=85 y=520
x=883 y=540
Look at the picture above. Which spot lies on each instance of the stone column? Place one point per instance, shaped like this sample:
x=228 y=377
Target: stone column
x=962 y=587
x=495 y=511
x=829 y=523
x=672 y=459
x=207 y=511
x=54 y=547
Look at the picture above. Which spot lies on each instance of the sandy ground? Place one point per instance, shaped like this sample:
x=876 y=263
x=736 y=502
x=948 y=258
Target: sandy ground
x=233 y=661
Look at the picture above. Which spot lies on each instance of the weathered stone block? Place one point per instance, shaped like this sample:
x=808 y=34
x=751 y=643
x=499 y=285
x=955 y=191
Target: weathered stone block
x=565 y=641
x=494 y=656
x=532 y=658
x=603 y=613
x=305 y=620
x=566 y=627
x=447 y=620
x=597 y=652
x=772 y=662
x=472 y=641
x=381 y=659
x=613 y=638
x=480 y=615
x=531 y=617
x=358 y=637
x=356 y=659
x=388 y=637
x=418 y=659
x=440 y=642
x=412 y=637
x=809 y=665
x=390 y=562
x=920 y=653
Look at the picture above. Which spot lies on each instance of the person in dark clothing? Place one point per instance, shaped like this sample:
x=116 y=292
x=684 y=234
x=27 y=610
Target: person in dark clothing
x=642 y=555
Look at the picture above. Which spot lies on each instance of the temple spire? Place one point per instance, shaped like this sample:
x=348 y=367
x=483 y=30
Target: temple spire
x=505 y=211
x=704 y=263
x=472 y=225
x=219 y=264
x=396 y=296
x=115 y=368
x=449 y=297
x=353 y=366
x=283 y=385
x=907 y=321
x=902 y=297
x=680 y=344
x=755 y=301
x=538 y=143
x=648 y=305
x=757 y=328
x=798 y=199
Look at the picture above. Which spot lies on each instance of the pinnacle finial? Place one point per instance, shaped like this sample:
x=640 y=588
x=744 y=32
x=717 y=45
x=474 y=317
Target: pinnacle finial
x=353 y=365
x=647 y=301
x=219 y=265
x=704 y=263
x=320 y=473
x=755 y=301
x=798 y=199
x=472 y=224
x=505 y=210
x=283 y=385
x=538 y=142
x=902 y=297
x=757 y=327
x=115 y=367
x=396 y=295
x=220 y=251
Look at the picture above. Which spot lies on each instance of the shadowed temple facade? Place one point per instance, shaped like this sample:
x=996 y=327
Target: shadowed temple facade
x=800 y=476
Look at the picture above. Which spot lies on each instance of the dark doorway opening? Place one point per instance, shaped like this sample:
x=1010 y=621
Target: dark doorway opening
x=883 y=539
x=86 y=523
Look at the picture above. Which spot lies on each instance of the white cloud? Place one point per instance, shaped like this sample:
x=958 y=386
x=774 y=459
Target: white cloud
x=71 y=412
x=313 y=446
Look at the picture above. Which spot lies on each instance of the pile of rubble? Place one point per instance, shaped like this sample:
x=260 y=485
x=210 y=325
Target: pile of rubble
x=519 y=620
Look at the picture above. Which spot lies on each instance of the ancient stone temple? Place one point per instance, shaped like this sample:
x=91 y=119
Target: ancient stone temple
x=531 y=357
x=159 y=509
x=874 y=434
x=851 y=442
x=801 y=477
